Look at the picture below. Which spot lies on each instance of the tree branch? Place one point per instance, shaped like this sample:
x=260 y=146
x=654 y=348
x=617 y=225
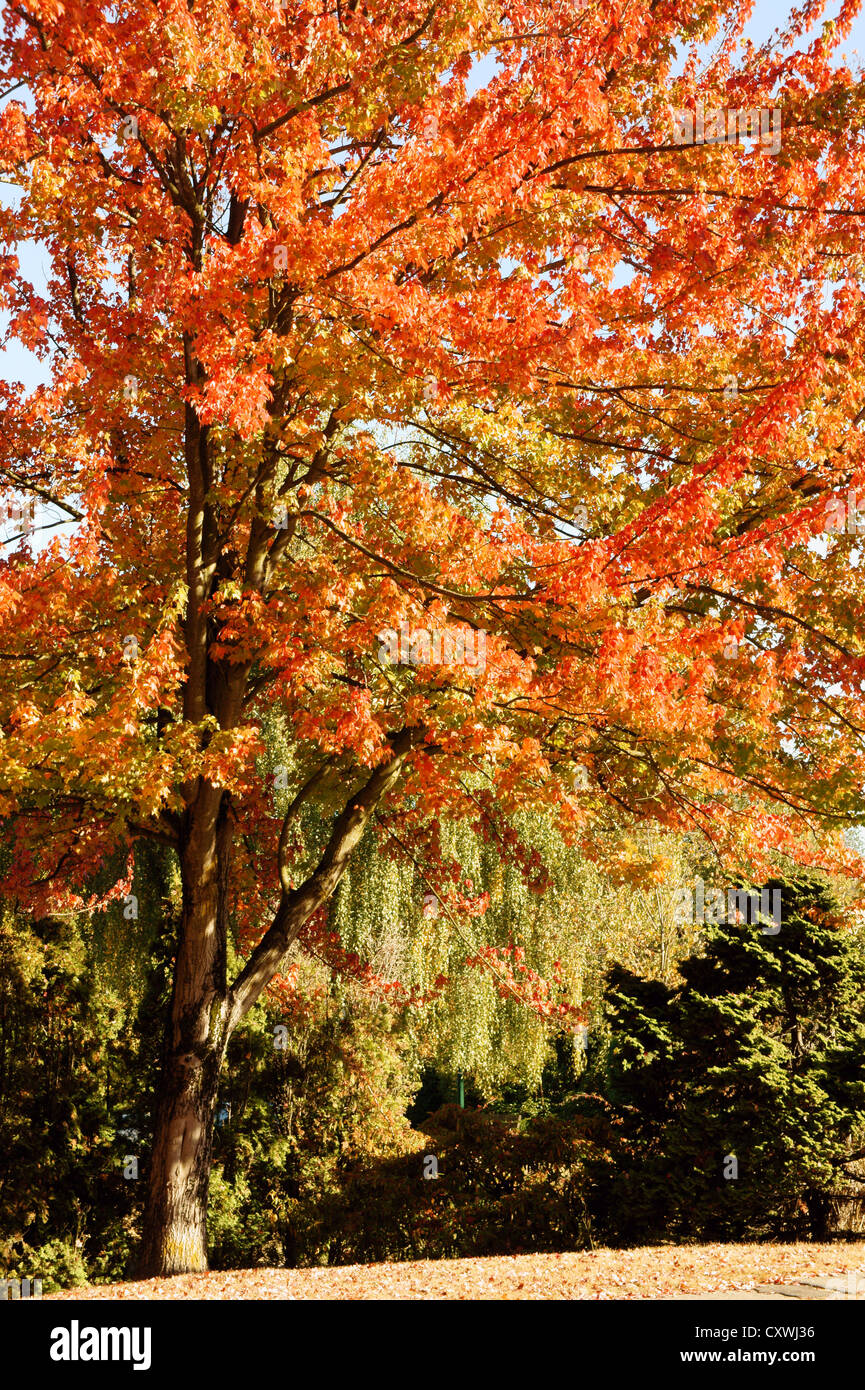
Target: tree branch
x=297 y=905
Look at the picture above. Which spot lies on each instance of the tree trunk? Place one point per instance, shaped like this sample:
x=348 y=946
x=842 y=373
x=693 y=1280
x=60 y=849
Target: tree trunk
x=175 y=1220
x=175 y=1225
x=818 y=1215
x=204 y=1012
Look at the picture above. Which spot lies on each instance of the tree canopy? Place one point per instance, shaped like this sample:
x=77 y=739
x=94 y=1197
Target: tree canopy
x=416 y=388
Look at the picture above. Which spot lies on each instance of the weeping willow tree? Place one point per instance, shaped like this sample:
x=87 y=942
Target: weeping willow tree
x=481 y=969
x=512 y=947
x=499 y=927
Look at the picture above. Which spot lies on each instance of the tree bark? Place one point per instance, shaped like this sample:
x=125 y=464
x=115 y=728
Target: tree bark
x=818 y=1214
x=175 y=1223
x=175 y=1220
x=204 y=1012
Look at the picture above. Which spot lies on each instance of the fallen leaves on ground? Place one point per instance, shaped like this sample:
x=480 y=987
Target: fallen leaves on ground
x=647 y=1272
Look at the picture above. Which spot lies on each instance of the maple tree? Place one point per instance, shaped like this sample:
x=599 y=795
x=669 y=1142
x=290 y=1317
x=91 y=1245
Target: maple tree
x=458 y=421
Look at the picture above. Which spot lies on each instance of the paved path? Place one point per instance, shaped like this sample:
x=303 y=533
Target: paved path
x=810 y=1289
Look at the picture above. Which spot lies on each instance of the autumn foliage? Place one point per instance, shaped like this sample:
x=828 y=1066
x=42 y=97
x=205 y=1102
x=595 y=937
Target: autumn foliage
x=385 y=317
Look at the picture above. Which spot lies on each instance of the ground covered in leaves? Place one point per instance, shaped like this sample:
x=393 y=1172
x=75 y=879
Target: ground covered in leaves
x=647 y=1272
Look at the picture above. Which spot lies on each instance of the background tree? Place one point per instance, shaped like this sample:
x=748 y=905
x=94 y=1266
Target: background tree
x=342 y=331
x=81 y=1017
x=741 y=1092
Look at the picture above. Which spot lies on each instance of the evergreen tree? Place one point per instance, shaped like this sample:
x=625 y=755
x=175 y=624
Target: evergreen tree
x=739 y=1094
